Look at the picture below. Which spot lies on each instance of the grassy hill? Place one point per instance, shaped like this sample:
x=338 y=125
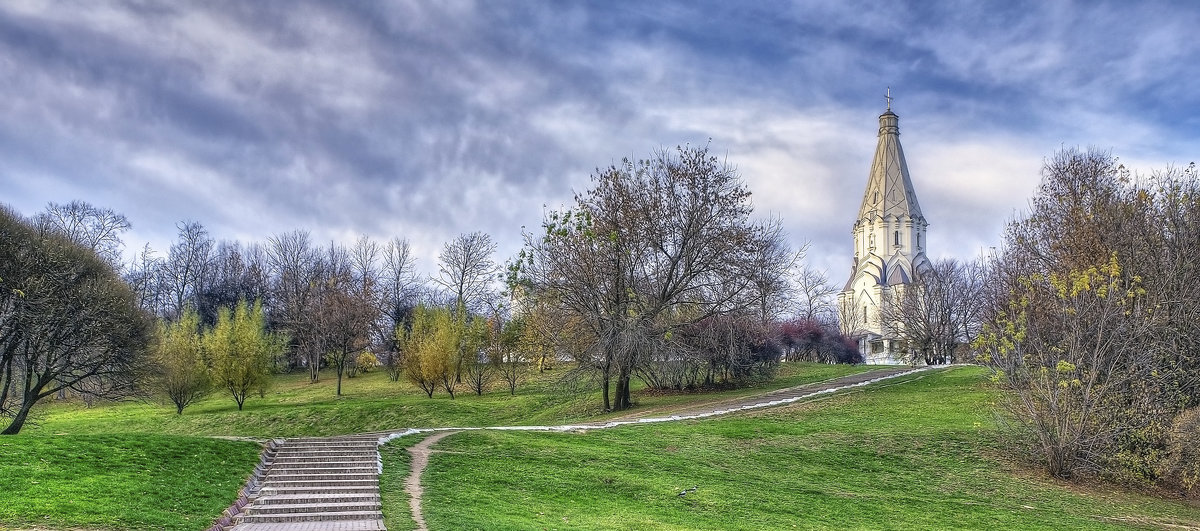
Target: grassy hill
x=917 y=452
x=916 y=455
x=141 y=481
x=294 y=407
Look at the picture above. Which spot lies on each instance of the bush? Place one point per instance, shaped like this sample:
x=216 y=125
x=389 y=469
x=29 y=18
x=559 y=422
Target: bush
x=1183 y=460
x=366 y=361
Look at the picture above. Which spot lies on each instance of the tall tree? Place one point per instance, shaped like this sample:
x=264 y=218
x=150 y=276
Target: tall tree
x=399 y=289
x=145 y=275
x=296 y=269
x=67 y=321
x=345 y=310
x=654 y=245
x=773 y=260
x=814 y=295
x=188 y=266
x=466 y=269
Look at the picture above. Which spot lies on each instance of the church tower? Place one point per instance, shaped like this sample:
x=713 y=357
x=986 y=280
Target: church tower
x=889 y=247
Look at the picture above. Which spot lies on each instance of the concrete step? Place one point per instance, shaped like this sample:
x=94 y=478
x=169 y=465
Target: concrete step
x=333 y=458
x=303 y=475
x=340 y=452
x=310 y=469
x=372 y=438
x=311 y=491
x=315 y=507
x=329 y=444
x=342 y=525
x=312 y=517
x=365 y=465
x=322 y=497
x=372 y=483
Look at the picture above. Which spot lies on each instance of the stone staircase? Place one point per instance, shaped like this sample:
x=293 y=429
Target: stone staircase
x=318 y=484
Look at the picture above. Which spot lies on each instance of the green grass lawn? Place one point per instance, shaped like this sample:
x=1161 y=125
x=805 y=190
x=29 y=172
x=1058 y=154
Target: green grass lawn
x=119 y=481
x=140 y=466
x=917 y=455
x=294 y=407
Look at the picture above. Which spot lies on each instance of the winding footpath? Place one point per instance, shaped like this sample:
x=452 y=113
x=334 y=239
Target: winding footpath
x=332 y=483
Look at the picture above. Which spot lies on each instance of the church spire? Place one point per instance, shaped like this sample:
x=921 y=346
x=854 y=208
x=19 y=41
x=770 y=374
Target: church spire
x=889 y=188
x=889 y=249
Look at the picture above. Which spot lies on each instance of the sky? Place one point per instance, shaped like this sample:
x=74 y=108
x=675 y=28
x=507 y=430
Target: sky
x=426 y=120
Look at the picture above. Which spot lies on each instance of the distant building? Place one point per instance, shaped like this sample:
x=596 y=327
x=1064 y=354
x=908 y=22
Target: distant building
x=889 y=248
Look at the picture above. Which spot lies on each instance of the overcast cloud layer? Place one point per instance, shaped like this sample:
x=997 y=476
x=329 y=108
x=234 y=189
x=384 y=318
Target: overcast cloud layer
x=427 y=120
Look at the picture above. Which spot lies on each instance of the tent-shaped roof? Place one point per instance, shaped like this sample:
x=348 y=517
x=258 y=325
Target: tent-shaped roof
x=889 y=188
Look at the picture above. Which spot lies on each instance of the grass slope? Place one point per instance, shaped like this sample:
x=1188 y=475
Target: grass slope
x=294 y=407
x=120 y=481
x=916 y=455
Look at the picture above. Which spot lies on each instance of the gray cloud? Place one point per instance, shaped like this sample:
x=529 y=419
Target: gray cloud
x=426 y=120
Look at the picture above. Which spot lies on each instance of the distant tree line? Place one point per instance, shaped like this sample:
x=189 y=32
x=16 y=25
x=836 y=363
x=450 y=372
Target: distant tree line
x=658 y=273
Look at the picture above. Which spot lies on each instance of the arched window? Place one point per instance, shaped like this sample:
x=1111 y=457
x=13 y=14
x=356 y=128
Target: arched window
x=864 y=315
x=918 y=240
x=897 y=238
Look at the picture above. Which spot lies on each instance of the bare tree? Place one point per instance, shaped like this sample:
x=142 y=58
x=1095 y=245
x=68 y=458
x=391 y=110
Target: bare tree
x=653 y=246
x=98 y=229
x=937 y=313
x=296 y=270
x=466 y=269
x=145 y=276
x=187 y=266
x=814 y=296
x=773 y=260
x=235 y=273
x=399 y=291
x=345 y=309
x=503 y=349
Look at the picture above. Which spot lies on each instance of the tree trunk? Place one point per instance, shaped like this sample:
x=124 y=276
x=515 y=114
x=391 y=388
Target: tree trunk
x=341 y=367
x=19 y=420
x=622 y=401
x=604 y=386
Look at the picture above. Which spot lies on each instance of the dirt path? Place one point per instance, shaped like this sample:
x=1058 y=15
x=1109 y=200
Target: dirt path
x=412 y=485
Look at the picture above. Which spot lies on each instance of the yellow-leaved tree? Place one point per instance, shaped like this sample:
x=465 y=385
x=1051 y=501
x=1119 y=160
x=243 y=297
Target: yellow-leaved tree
x=241 y=349
x=430 y=349
x=179 y=355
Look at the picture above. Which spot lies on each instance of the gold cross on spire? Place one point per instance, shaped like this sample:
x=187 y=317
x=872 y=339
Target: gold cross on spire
x=889 y=98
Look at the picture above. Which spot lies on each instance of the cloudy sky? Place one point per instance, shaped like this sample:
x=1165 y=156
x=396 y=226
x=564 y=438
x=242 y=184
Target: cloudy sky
x=427 y=120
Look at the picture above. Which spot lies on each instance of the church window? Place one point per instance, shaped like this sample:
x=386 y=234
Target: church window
x=864 y=314
x=918 y=240
x=897 y=237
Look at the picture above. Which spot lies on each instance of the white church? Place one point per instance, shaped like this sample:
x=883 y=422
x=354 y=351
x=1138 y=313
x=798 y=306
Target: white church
x=889 y=248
